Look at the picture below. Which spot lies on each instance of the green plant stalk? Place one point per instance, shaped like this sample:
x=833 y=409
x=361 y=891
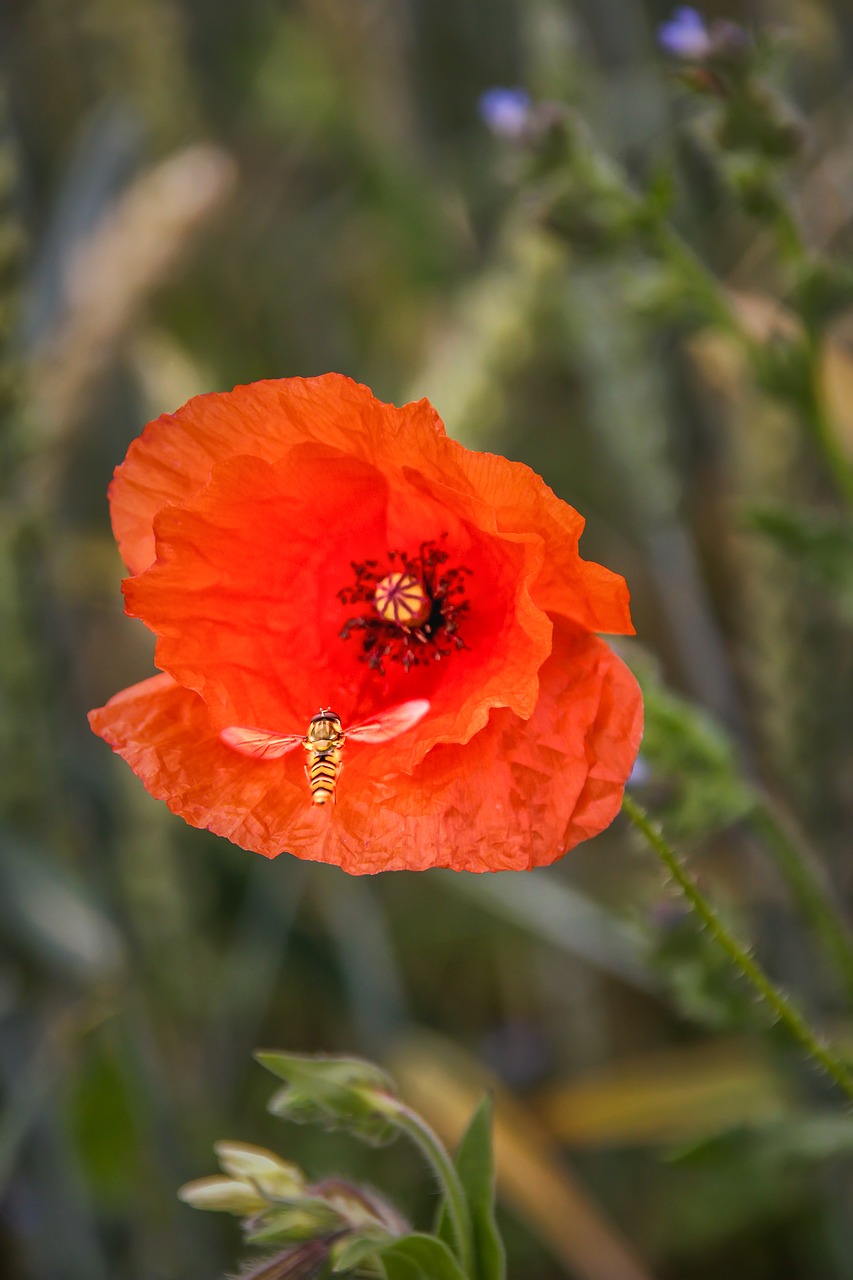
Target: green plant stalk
x=714 y=302
x=710 y=295
x=703 y=285
x=786 y=227
x=815 y=413
x=791 y=858
x=807 y=885
x=781 y=1005
x=820 y=425
x=457 y=1206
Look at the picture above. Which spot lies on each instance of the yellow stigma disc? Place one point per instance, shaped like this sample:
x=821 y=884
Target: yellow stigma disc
x=402 y=600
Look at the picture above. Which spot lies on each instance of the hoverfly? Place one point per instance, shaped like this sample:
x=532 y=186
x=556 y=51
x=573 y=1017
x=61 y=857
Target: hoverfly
x=324 y=742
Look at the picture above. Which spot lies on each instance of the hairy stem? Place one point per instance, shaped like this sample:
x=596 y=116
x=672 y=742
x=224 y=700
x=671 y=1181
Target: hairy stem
x=457 y=1206
x=783 y=1008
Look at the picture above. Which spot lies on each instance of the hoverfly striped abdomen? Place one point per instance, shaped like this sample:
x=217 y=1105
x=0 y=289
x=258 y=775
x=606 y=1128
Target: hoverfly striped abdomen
x=324 y=742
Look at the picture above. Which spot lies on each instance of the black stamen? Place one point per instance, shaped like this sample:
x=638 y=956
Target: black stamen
x=430 y=639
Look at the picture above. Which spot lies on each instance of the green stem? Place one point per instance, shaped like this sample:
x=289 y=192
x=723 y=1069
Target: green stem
x=789 y=233
x=454 y=1195
x=782 y=1006
x=821 y=425
x=704 y=286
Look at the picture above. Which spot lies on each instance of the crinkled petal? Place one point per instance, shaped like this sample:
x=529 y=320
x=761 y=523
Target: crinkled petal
x=241 y=517
x=164 y=733
x=244 y=597
x=173 y=457
x=518 y=795
x=581 y=590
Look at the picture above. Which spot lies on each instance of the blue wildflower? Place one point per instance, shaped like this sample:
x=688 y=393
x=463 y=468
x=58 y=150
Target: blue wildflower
x=641 y=774
x=686 y=35
x=506 y=112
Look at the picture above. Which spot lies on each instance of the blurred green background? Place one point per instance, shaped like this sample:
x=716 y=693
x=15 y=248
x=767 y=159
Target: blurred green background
x=195 y=193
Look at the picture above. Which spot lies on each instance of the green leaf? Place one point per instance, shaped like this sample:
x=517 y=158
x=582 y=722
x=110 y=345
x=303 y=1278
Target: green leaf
x=701 y=981
x=337 y=1093
x=475 y=1164
x=351 y=1253
x=411 y=1257
x=693 y=763
x=661 y=191
x=419 y=1257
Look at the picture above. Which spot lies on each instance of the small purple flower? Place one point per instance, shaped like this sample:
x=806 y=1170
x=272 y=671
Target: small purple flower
x=686 y=35
x=641 y=774
x=506 y=112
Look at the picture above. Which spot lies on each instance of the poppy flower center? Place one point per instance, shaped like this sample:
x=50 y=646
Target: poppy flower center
x=402 y=600
x=415 y=604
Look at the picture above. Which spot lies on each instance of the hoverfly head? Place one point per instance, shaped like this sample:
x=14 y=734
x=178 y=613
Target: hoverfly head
x=324 y=729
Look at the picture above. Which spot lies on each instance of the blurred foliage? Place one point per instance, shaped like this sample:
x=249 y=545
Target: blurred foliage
x=195 y=193
x=691 y=762
x=824 y=545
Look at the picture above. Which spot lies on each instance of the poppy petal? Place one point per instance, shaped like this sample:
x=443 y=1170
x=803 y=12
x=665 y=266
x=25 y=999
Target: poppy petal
x=173 y=457
x=259 y=526
x=519 y=795
x=580 y=590
x=244 y=598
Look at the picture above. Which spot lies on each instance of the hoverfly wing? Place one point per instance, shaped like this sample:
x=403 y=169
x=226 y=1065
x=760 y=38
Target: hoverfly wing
x=390 y=724
x=258 y=744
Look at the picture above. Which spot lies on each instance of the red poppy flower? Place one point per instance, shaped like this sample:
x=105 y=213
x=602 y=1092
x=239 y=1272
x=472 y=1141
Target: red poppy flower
x=297 y=545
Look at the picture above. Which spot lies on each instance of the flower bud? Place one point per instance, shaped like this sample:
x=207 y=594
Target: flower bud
x=306 y=1219
x=223 y=1195
x=275 y=1178
x=362 y=1207
x=339 y=1093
